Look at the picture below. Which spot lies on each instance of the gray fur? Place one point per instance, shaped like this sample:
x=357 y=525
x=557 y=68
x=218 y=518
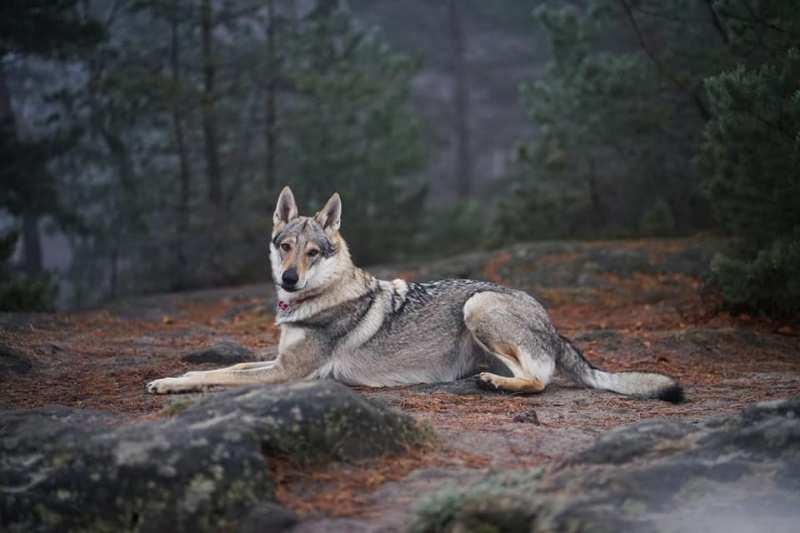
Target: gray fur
x=341 y=323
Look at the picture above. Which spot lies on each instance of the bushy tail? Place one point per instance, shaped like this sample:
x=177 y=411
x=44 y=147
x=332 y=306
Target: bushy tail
x=575 y=367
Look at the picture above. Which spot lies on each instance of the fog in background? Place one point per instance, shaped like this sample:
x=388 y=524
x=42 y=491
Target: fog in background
x=144 y=142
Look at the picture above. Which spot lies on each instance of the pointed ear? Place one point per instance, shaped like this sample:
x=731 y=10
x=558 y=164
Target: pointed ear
x=330 y=216
x=285 y=211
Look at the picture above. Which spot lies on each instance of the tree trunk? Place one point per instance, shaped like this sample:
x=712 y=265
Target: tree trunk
x=125 y=213
x=31 y=241
x=177 y=122
x=6 y=114
x=113 y=266
x=185 y=172
x=125 y=166
x=594 y=198
x=461 y=107
x=271 y=118
x=31 y=244
x=209 y=119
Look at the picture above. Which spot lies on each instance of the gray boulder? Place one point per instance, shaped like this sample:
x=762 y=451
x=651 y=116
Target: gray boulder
x=204 y=470
x=310 y=421
x=13 y=361
x=625 y=444
x=222 y=353
x=740 y=475
x=62 y=476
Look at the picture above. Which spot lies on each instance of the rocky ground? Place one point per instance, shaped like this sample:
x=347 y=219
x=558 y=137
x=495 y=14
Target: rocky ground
x=473 y=457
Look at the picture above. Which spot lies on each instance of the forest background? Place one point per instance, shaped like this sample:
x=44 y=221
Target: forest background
x=143 y=142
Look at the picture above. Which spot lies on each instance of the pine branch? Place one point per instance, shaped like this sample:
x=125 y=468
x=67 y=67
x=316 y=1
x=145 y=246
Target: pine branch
x=717 y=22
x=699 y=104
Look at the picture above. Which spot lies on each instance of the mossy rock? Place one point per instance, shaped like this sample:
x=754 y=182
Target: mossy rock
x=657 y=475
x=204 y=470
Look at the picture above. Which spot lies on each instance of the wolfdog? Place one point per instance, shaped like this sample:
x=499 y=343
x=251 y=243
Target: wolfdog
x=339 y=322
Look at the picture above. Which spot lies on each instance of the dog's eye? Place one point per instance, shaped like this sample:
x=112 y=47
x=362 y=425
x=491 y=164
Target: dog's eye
x=286 y=247
x=313 y=253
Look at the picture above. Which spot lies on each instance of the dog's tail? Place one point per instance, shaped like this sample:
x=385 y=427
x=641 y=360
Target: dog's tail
x=575 y=367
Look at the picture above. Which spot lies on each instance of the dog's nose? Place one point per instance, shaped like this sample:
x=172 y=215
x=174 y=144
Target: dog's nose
x=290 y=277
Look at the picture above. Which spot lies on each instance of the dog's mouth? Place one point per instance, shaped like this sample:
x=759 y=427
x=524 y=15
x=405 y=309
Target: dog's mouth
x=291 y=288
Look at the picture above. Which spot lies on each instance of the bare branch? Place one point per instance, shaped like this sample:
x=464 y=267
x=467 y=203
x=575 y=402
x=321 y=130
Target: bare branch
x=699 y=104
x=717 y=22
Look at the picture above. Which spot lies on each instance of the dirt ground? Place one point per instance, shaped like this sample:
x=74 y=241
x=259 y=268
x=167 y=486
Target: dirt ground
x=650 y=314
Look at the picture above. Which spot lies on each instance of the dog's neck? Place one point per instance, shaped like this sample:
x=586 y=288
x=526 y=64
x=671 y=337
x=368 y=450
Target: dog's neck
x=350 y=283
x=285 y=306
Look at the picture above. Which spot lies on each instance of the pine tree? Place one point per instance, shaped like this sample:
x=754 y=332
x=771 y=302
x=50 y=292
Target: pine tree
x=751 y=157
x=44 y=29
x=327 y=94
x=21 y=292
x=620 y=110
x=351 y=130
x=28 y=191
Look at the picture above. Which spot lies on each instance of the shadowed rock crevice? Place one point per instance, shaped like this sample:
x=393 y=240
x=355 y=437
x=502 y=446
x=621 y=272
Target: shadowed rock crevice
x=13 y=361
x=222 y=353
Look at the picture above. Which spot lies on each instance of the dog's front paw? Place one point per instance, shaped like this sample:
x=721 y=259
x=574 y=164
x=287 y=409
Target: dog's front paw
x=165 y=386
x=485 y=380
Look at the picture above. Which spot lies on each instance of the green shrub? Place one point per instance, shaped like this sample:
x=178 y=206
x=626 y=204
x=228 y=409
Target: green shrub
x=769 y=282
x=658 y=221
x=751 y=156
x=22 y=293
x=752 y=163
x=443 y=510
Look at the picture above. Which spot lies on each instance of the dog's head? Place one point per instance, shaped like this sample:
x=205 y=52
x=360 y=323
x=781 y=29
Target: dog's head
x=306 y=253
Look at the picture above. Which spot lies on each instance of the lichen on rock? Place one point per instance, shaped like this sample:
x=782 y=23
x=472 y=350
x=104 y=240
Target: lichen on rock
x=203 y=470
x=657 y=475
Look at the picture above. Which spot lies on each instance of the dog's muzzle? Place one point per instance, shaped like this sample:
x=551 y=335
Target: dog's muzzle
x=289 y=279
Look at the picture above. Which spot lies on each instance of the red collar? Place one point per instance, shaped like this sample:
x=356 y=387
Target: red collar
x=285 y=306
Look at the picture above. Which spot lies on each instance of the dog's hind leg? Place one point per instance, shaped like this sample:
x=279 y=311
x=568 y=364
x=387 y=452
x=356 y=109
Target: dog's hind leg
x=505 y=326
